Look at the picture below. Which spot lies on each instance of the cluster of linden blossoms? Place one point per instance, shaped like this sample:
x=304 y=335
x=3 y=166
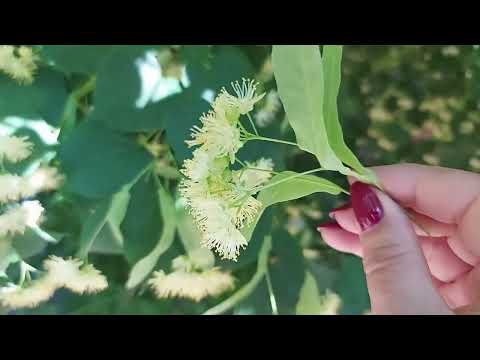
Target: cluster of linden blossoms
x=190 y=281
x=18 y=62
x=17 y=215
x=221 y=200
x=72 y=274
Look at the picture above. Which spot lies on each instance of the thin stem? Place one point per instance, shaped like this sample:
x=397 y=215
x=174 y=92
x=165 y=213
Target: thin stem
x=273 y=302
x=262 y=138
x=240 y=162
x=289 y=178
x=253 y=124
x=264 y=170
x=261 y=188
x=242 y=128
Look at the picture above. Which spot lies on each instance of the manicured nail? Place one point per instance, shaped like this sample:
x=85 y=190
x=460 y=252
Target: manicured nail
x=330 y=225
x=366 y=205
x=340 y=208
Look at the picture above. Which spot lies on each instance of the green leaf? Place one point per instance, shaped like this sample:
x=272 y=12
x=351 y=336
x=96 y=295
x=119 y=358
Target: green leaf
x=98 y=162
x=309 y=95
x=105 y=210
x=123 y=98
x=299 y=76
x=146 y=265
x=110 y=238
x=249 y=287
x=228 y=63
x=290 y=185
x=332 y=58
x=179 y=113
x=309 y=301
x=32 y=242
x=93 y=224
x=44 y=98
x=143 y=224
x=351 y=286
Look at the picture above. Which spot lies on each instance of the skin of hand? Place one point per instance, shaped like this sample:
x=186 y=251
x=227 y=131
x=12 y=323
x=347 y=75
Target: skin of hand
x=430 y=265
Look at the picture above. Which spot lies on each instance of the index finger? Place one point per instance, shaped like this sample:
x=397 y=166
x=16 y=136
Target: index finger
x=440 y=193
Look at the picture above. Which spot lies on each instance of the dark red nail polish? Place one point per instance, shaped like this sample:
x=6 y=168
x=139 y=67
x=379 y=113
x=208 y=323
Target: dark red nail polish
x=330 y=225
x=340 y=208
x=366 y=205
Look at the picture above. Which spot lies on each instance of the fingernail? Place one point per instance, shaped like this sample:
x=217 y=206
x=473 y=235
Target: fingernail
x=340 y=208
x=366 y=205
x=330 y=225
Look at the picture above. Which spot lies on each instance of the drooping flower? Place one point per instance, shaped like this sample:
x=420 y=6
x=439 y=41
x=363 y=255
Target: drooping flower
x=44 y=178
x=14 y=148
x=19 y=217
x=20 y=66
x=246 y=95
x=74 y=275
x=29 y=296
x=188 y=283
x=10 y=188
x=244 y=207
x=267 y=113
x=199 y=166
x=251 y=178
x=218 y=229
x=331 y=303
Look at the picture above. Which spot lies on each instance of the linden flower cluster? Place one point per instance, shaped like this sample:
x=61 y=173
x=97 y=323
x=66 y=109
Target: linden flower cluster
x=72 y=274
x=221 y=200
x=19 y=63
x=187 y=282
x=17 y=216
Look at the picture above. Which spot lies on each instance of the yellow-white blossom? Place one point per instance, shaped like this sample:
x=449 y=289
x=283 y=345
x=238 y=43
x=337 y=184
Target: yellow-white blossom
x=267 y=113
x=246 y=96
x=331 y=303
x=244 y=208
x=219 y=204
x=19 y=217
x=21 y=66
x=217 y=135
x=44 y=178
x=187 y=283
x=28 y=296
x=11 y=188
x=14 y=148
x=74 y=275
x=218 y=230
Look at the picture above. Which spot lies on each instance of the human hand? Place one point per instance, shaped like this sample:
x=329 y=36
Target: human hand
x=428 y=266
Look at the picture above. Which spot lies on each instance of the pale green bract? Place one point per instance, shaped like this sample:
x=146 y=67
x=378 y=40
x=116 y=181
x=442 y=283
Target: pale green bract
x=145 y=266
x=308 y=87
x=309 y=301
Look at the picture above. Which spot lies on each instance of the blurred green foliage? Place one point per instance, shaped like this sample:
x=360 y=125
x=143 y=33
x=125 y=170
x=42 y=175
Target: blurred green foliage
x=122 y=109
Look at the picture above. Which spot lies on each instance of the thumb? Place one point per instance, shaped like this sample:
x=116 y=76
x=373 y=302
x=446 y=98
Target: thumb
x=398 y=278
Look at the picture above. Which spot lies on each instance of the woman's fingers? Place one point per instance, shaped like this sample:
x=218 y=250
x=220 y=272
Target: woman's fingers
x=423 y=225
x=464 y=291
x=446 y=195
x=442 y=262
x=340 y=240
